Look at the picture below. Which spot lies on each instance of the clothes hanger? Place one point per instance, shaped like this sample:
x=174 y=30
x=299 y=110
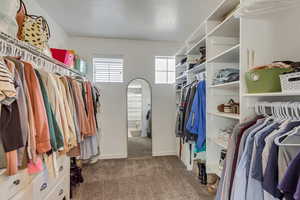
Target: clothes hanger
x=292 y=132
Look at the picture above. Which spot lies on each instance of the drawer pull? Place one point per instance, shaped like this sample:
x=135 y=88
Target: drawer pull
x=17 y=182
x=43 y=186
x=61 y=168
x=60 y=192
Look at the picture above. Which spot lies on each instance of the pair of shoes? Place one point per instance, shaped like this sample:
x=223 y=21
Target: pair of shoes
x=213 y=187
x=202 y=173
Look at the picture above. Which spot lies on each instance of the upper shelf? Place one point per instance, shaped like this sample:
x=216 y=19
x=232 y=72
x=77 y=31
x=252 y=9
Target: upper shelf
x=272 y=94
x=230 y=27
x=224 y=8
x=197 y=68
x=230 y=85
x=231 y=55
x=195 y=48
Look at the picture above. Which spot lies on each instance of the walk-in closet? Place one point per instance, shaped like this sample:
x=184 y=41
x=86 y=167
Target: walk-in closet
x=149 y=100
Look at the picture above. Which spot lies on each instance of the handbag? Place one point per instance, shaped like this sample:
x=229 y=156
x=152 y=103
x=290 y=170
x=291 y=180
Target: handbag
x=32 y=29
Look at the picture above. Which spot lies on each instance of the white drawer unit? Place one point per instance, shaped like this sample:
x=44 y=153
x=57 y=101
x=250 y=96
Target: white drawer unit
x=11 y=185
x=37 y=187
x=25 y=194
x=61 y=190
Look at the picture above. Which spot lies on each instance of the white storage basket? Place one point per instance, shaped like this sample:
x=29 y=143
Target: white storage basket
x=290 y=82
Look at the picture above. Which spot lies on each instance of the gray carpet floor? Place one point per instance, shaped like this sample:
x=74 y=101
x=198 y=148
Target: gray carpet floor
x=139 y=147
x=157 y=178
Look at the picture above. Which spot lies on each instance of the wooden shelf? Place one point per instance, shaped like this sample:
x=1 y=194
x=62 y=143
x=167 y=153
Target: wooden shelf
x=225 y=115
x=197 y=68
x=272 y=94
x=228 y=28
x=183 y=76
x=231 y=85
x=222 y=9
x=231 y=55
x=195 y=48
x=214 y=168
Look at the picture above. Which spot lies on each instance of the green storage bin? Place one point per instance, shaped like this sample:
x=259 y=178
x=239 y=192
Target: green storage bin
x=81 y=65
x=264 y=80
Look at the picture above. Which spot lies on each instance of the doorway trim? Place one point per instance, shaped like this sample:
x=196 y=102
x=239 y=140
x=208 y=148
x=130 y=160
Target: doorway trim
x=151 y=98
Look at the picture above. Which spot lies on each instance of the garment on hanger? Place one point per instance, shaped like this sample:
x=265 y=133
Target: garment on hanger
x=196 y=123
x=261 y=164
x=43 y=114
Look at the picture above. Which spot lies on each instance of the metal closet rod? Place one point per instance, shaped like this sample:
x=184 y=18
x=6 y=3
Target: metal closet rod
x=33 y=50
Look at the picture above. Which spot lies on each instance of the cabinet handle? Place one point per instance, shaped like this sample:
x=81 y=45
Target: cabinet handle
x=61 y=168
x=60 y=192
x=17 y=182
x=43 y=186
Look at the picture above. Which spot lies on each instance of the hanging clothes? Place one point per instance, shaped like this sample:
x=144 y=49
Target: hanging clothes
x=196 y=123
x=43 y=114
x=256 y=166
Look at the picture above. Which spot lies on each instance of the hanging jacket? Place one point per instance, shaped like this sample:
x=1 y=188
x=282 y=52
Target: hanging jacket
x=196 y=123
x=56 y=138
x=41 y=122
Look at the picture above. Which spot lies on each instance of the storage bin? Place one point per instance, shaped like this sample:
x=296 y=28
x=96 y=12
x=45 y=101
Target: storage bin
x=64 y=56
x=290 y=82
x=80 y=65
x=264 y=80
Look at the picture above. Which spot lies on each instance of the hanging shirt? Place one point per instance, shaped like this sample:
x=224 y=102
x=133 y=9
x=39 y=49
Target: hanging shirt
x=290 y=185
x=287 y=153
x=242 y=172
x=254 y=185
x=270 y=180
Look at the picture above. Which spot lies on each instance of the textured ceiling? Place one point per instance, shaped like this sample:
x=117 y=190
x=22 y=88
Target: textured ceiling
x=166 y=20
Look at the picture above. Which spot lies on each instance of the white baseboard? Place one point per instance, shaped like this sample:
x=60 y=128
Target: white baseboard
x=112 y=156
x=166 y=153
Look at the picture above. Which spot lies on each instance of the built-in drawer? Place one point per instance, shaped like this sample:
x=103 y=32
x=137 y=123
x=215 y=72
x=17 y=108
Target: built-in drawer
x=44 y=182
x=61 y=190
x=11 y=185
x=63 y=163
x=25 y=194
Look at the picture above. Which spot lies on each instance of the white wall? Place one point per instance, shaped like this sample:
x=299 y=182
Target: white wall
x=59 y=38
x=138 y=63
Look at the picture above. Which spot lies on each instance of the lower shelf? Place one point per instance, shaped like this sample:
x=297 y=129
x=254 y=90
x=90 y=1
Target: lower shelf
x=225 y=115
x=215 y=169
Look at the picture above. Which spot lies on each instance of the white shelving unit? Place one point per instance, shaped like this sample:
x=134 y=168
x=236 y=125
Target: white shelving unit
x=225 y=115
x=227 y=40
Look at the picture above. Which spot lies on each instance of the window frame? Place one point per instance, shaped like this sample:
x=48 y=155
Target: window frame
x=166 y=72
x=108 y=70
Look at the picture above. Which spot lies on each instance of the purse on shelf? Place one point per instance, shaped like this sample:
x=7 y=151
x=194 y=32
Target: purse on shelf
x=32 y=29
x=230 y=107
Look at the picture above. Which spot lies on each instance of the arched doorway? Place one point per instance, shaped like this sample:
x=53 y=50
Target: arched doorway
x=139 y=119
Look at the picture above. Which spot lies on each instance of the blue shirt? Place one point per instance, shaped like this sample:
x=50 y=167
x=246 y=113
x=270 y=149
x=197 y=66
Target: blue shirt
x=254 y=185
x=242 y=171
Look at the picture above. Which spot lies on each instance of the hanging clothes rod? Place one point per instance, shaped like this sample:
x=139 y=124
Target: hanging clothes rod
x=35 y=52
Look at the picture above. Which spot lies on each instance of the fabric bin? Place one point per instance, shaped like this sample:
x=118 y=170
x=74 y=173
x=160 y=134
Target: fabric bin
x=64 y=56
x=290 y=82
x=80 y=65
x=264 y=80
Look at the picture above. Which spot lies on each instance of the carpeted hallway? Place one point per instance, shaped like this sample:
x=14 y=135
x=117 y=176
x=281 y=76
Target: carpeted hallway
x=157 y=178
x=139 y=147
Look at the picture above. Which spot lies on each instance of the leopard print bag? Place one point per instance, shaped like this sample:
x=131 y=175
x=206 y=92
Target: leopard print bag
x=32 y=29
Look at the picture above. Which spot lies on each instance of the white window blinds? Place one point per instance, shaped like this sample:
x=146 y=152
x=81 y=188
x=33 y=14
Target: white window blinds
x=108 y=70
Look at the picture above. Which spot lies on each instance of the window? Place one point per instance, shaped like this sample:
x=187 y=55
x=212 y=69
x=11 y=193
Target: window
x=164 y=69
x=108 y=70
